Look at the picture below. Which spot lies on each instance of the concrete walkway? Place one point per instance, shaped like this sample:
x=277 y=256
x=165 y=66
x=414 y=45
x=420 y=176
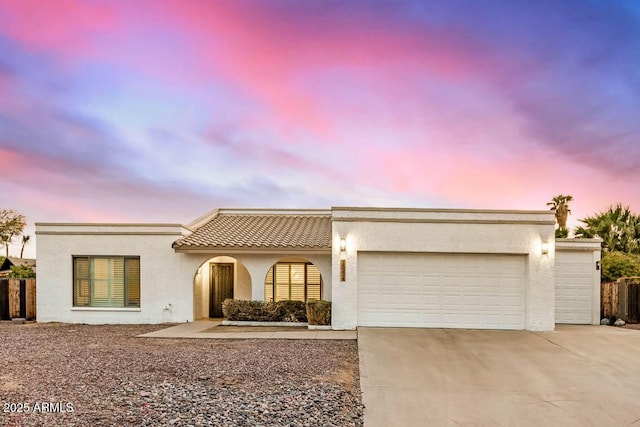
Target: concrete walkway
x=194 y=330
x=575 y=376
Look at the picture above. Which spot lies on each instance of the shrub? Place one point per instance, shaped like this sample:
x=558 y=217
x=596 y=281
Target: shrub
x=241 y=309
x=292 y=311
x=618 y=264
x=22 y=271
x=260 y=311
x=562 y=233
x=319 y=312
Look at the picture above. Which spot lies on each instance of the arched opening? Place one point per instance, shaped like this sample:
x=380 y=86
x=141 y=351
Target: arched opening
x=293 y=278
x=217 y=279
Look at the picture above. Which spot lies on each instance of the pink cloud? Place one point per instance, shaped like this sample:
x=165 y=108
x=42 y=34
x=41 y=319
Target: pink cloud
x=37 y=189
x=274 y=56
x=62 y=26
x=278 y=57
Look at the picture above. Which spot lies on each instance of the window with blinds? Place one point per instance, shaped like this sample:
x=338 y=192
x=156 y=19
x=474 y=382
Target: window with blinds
x=106 y=281
x=293 y=281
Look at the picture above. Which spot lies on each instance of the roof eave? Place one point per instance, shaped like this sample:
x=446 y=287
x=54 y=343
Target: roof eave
x=253 y=249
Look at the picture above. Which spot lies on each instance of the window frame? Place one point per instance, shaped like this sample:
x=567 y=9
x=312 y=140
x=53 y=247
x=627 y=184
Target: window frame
x=91 y=279
x=274 y=275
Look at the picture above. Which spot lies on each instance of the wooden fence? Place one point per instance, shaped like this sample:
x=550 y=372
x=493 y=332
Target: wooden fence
x=609 y=300
x=17 y=299
x=621 y=299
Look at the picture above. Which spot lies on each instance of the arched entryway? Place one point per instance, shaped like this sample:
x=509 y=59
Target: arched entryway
x=293 y=278
x=217 y=279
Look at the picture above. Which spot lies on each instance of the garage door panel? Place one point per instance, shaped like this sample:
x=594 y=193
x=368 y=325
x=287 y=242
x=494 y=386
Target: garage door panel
x=441 y=290
x=574 y=287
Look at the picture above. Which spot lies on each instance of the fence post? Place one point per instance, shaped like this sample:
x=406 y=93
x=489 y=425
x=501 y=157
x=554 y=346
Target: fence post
x=4 y=299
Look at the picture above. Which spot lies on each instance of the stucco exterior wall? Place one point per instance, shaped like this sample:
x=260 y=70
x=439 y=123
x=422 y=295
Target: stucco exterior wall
x=445 y=231
x=173 y=291
x=162 y=297
x=174 y=287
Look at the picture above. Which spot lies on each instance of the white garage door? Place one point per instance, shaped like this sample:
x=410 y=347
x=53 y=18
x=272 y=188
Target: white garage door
x=574 y=287
x=479 y=291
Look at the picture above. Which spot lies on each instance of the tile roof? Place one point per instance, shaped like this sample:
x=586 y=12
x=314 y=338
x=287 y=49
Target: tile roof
x=261 y=230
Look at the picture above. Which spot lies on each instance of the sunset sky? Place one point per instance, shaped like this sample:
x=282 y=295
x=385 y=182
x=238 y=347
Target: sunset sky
x=158 y=111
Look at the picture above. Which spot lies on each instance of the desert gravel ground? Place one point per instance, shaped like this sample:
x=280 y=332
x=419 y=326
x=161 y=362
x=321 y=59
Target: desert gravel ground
x=66 y=375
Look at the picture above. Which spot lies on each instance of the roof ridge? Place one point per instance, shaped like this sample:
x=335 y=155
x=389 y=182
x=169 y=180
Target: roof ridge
x=327 y=214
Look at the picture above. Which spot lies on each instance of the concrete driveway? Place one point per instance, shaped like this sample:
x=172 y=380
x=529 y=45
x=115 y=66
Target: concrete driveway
x=574 y=376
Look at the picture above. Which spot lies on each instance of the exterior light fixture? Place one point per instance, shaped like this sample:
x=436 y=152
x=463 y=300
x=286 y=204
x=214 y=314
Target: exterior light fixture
x=545 y=247
x=597 y=265
x=343 y=259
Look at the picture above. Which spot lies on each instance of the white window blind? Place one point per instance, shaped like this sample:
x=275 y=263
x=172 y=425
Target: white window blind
x=107 y=281
x=268 y=286
x=81 y=282
x=293 y=281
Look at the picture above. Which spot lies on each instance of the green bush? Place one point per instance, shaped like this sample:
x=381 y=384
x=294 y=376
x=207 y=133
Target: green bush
x=618 y=264
x=319 y=312
x=22 y=271
x=562 y=233
x=260 y=311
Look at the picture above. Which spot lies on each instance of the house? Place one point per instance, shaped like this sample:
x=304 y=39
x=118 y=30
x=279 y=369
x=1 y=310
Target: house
x=5 y=267
x=453 y=268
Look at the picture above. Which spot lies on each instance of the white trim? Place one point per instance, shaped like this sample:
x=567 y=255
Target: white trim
x=252 y=323
x=267 y=211
x=444 y=220
x=107 y=224
x=109 y=233
x=221 y=251
x=443 y=210
x=319 y=327
x=128 y=309
x=578 y=244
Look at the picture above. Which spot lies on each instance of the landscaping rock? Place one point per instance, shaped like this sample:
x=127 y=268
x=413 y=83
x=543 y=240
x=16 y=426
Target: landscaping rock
x=112 y=378
x=605 y=321
x=619 y=322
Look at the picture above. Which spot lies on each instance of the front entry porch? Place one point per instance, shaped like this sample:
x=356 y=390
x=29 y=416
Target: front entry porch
x=258 y=277
x=217 y=279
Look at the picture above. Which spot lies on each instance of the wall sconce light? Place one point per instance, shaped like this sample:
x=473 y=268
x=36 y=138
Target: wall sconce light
x=545 y=247
x=597 y=265
x=343 y=259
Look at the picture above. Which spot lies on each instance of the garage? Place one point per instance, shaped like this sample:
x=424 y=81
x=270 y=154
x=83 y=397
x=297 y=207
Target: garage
x=574 y=287
x=443 y=290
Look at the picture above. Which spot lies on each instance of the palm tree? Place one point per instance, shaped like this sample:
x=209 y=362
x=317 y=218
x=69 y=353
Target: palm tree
x=618 y=227
x=560 y=204
x=25 y=240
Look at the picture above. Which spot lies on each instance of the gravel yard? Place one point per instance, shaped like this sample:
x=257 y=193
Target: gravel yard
x=102 y=375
